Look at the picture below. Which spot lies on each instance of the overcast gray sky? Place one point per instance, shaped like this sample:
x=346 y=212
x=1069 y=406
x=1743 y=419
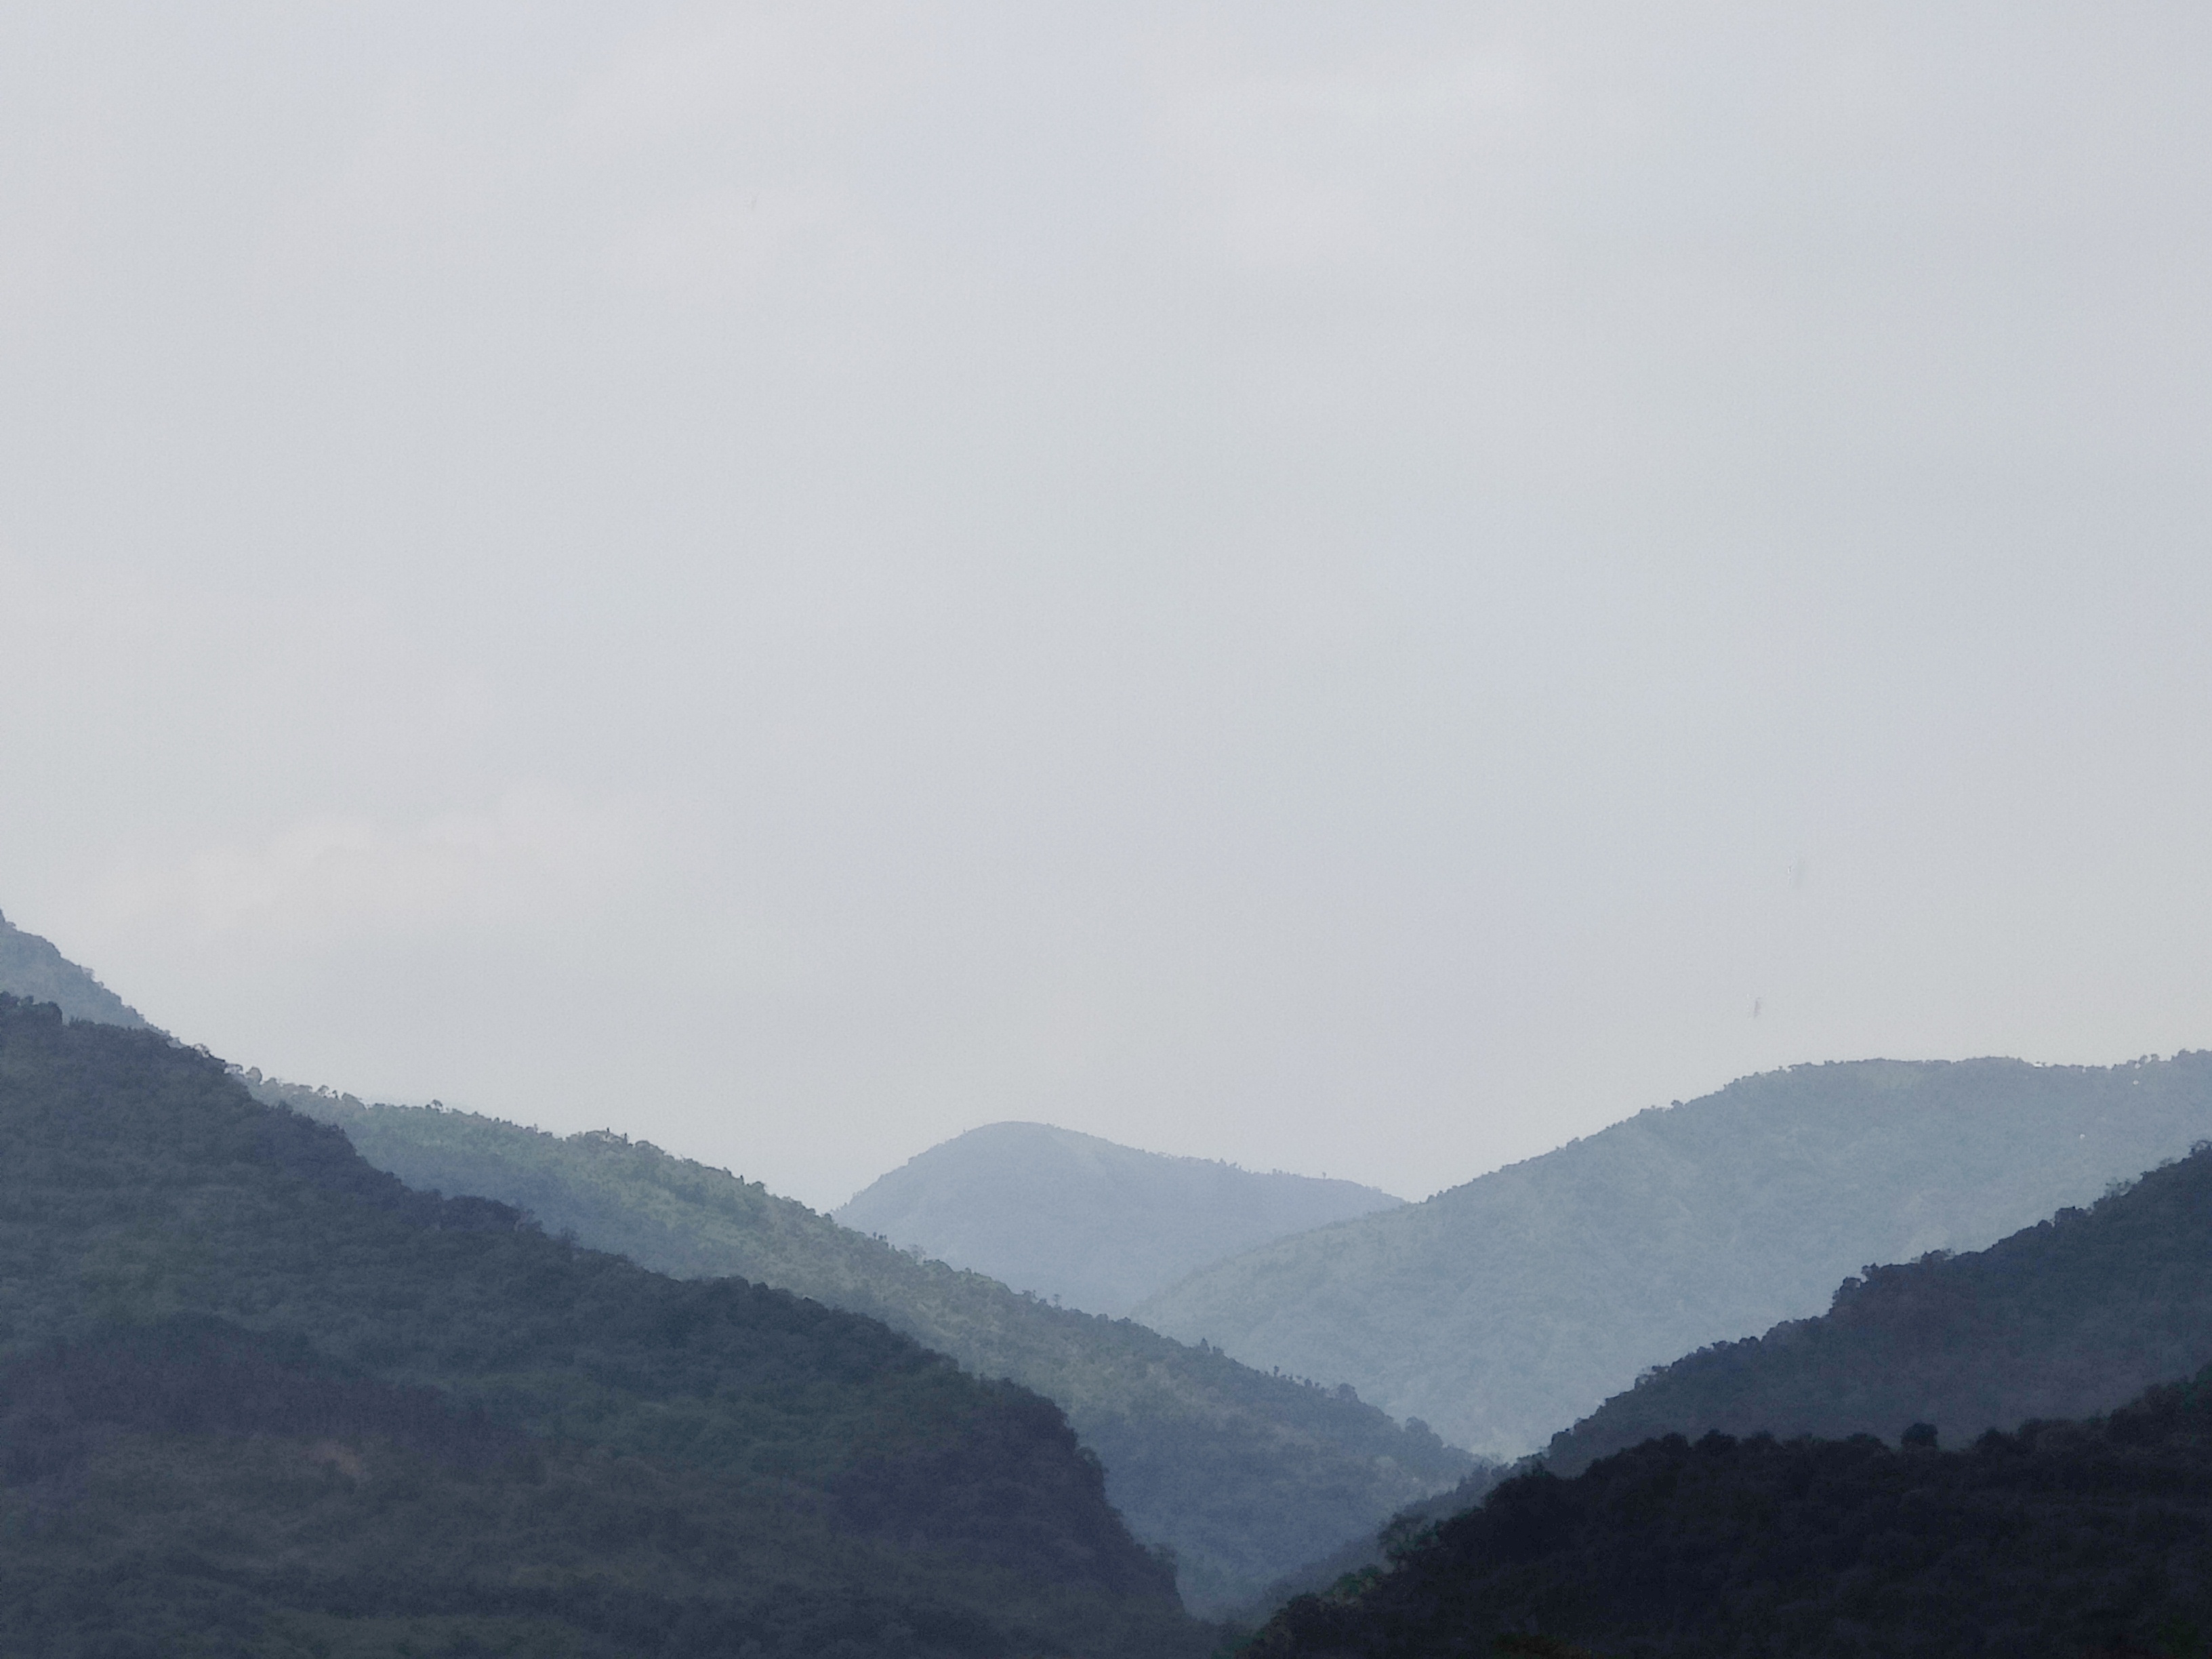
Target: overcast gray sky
x=1349 y=587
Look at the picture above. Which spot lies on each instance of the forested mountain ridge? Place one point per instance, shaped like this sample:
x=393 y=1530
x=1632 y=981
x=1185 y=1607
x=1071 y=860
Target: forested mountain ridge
x=1504 y=1307
x=1099 y=1226
x=2064 y=1319
x=2063 y=1540
x=30 y=967
x=1245 y=1475
x=253 y=1391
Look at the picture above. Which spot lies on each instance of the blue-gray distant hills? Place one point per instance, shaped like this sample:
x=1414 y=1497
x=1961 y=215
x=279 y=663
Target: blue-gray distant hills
x=2069 y=1318
x=1098 y=1225
x=1506 y=1309
x=30 y=967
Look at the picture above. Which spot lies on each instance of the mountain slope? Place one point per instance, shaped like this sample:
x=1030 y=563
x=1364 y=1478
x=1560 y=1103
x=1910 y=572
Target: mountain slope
x=1244 y=1475
x=2063 y=1319
x=242 y=1373
x=2066 y=1540
x=32 y=967
x=1505 y=1308
x=1097 y=1225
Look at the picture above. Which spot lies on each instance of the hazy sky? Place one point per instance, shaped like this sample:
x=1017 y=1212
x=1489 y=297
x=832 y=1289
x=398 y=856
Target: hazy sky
x=1349 y=587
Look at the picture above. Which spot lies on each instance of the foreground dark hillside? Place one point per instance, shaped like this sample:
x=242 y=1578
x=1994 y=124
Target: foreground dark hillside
x=1080 y=1219
x=1509 y=1306
x=1373 y=1550
x=2065 y=1539
x=1244 y=1475
x=194 y=1487
x=252 y=1386
x=2065 y=1318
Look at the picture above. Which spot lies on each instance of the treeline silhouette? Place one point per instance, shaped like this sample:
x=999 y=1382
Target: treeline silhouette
x=32 y=969
x=2065 y=1538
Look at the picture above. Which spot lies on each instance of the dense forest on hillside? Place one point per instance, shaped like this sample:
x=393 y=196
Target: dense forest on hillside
x=1507 y=1307
x=1097 y=1225
x=2067 y=1317
x=1373 y=1550
x=194 y=1487
x=1245 y=1476
x=255 y=1393
x=2064 y=1540
x=30 y=967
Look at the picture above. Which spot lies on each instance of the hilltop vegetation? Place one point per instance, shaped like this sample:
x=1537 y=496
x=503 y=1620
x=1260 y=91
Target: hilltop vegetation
x=32 y=967
x=1244 y=1475
x=2047 y=1537
x=1504 y=1307
x=257 y=1397
x=2065 y=1318
x=1080 y=1219
x=2062 y=1541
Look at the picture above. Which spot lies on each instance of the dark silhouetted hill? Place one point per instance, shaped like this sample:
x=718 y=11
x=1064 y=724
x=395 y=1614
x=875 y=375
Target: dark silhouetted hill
x=31 y=968
x=1506 y=1308
x=2064 y=1319
x=1244 y=1475
x=256 y=1397
x=2065 y=1540
x=1099 y=1226
x=1375 y=1549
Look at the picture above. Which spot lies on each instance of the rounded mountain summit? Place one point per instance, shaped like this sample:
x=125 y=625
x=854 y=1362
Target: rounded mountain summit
x=1098 y=1225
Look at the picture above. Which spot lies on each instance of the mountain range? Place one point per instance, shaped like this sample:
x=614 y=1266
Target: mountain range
x=2067 y=1318
x=256 y=1397
x=1084 y=1221
x=1505 y=1308
x=1241 y=1474
x=163 y=1306
x=1791 y=1493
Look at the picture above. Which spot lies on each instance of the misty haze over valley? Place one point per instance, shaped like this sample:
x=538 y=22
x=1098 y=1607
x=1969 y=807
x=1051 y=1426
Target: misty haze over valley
x=949 y=831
